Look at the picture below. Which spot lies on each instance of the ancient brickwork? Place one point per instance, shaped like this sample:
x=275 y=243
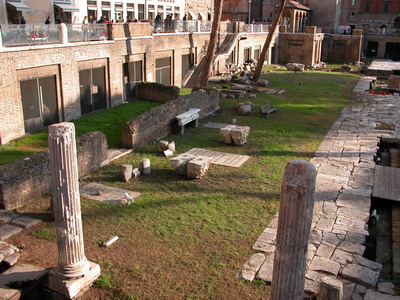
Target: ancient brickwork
x=27 y=179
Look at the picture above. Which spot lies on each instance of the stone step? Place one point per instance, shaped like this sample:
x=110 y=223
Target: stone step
x=19 y=280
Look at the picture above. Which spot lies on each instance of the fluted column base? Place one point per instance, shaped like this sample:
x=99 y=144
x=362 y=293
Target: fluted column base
x=73 y=288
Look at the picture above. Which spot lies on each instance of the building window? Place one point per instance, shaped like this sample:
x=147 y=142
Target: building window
x=352 y=14
x=367 y=7
x=386 y=7
x=163 y=70
x=353 y=2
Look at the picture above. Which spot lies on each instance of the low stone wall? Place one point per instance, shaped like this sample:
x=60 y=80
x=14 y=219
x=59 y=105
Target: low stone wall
x=25 y=180
x=160 y=121
x=156 y=92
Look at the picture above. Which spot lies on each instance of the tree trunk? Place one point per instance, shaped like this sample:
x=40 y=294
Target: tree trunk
x=208 y=59
x=271 y=32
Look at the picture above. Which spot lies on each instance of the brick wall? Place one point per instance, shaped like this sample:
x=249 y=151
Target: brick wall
x=27 y=179
x=160 y=121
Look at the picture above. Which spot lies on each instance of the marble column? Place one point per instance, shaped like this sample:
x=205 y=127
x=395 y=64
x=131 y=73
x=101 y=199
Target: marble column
x=294 y=224
x=72 y=263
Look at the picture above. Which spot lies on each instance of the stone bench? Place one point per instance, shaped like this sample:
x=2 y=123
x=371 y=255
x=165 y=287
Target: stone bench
x=267 y=109
x=192 y=115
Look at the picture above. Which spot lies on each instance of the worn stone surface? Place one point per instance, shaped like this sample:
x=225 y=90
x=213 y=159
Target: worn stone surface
x=251 y=267
x=266 y=270
x=373 y=295
x=360 y=274
x=331 y=288
x=324 y=265
x=8 y=230
x=25 y=222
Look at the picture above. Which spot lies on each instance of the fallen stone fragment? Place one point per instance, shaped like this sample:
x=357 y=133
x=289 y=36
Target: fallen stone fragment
x=110 y=241
x=126 y=172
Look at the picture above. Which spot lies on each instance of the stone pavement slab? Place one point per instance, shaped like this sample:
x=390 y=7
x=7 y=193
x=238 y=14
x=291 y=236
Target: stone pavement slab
x=8 y=230
x=18 y=279
x=101 y=192
x=345 y=171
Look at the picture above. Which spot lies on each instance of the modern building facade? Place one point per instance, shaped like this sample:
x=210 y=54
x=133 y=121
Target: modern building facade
x=74 y=11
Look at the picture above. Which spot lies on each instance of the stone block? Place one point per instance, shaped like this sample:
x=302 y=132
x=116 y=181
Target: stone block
x=251 y=267
x=171 y=146
x=373 y=295
x=198 y=167
x=362 y=261
x=353 y=248
x=324 y=251
x=239 y=135
x=325 y=265
x=244 y=110
x=163 y=145
x=394 y=82
x=331 y=288
x=136 y=173
x=360 y=274
x=126 y=172
x=226 y=133
x=266 y=270
x=180 y=162
x=342 y=257
x=145 y=166
x=73 y=288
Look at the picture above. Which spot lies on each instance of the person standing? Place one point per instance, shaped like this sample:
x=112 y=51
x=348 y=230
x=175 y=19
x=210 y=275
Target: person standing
x=23 y=21
x=47 y=21
x=85 y=26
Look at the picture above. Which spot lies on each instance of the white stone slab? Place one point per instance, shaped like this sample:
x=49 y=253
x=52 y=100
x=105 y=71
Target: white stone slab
x=107 y=193
x=220 y=158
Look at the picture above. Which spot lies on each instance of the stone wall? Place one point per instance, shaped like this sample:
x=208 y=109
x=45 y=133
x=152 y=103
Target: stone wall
x=156 y=92
x=160 y=121
x=300 y=48
x=341 y=48
x=27 y=179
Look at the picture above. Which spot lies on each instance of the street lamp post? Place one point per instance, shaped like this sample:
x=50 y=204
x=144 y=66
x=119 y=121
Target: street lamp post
x=249 y=11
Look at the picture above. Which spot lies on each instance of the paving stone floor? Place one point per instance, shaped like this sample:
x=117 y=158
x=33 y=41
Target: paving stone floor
x=345 y=172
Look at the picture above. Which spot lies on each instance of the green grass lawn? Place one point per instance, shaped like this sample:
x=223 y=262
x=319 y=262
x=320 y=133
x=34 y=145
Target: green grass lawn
x=187 y=239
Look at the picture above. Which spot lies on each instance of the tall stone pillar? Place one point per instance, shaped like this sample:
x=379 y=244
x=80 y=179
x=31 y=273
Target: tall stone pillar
x=294 y=224
x=73 y=267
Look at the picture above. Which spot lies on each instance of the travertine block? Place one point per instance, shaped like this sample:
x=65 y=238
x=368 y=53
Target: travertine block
x=226 y=132
x=180 y=162
x=198 y=166
x=239 y=135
